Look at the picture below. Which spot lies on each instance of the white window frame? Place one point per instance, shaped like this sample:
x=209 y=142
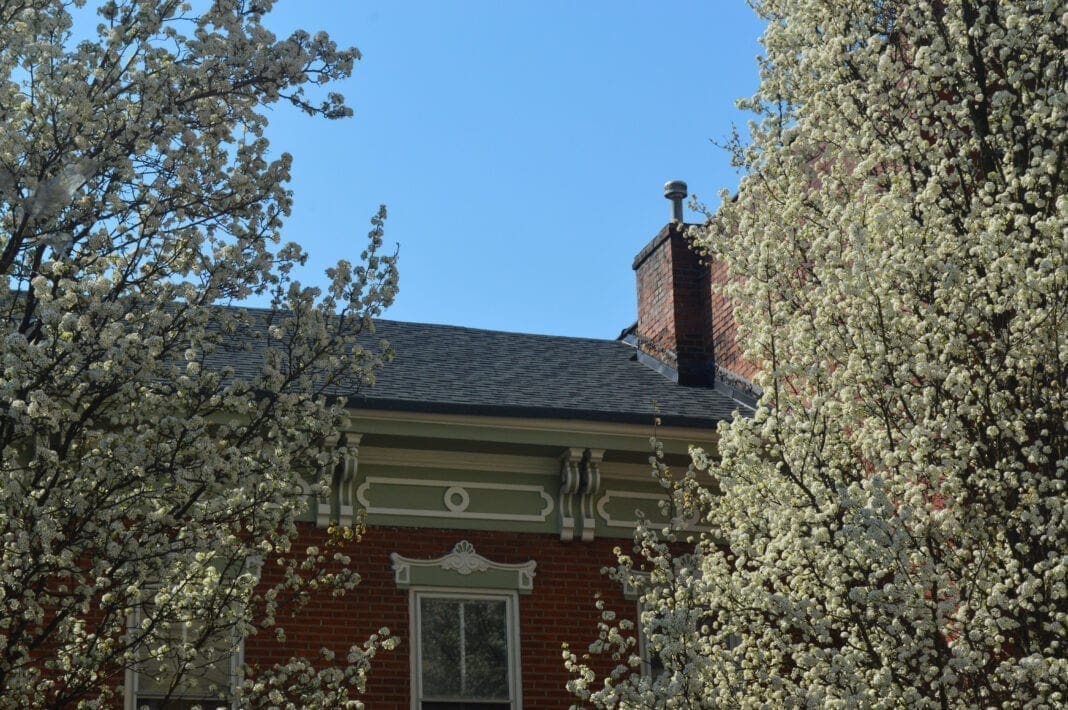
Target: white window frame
x=644 y=652
x=511 y=599
x=209 y=702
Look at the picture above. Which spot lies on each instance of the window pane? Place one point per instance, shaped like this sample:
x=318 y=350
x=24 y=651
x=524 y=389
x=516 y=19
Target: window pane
x=440 y=646
x=205 y=680
x=464 y=651
x=486 y=644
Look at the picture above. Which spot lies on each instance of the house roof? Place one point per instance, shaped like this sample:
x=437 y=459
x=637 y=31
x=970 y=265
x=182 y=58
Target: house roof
x=449 y=369
x=456 y=370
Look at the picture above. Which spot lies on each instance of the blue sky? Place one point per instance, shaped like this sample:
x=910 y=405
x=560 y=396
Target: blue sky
x=520 y=147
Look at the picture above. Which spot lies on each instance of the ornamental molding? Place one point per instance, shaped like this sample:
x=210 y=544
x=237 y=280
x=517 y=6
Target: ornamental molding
x=610 y=494
x=476 y=571
x=580 y=479
x=570 y=480
x=459 y=461
x=336 y=505
x=591 y=483
x=456 y=499
x=691 y=525
x=633 y=583
x=464 y=559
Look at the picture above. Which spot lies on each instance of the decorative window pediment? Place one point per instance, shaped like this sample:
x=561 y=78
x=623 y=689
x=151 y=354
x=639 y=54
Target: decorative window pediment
x=463 y=568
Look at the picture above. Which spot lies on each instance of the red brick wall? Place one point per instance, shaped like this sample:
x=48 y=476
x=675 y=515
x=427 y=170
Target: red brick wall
x=656 y=299
x=692 y=345
x=560 y=609
x=682 y=321
x=723 y=327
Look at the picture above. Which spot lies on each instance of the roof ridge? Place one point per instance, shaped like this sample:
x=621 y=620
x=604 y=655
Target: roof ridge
x=474 y=329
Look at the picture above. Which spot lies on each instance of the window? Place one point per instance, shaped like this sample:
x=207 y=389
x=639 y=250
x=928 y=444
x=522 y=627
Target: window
x=652 y=662
x=207 y=681
x=654 y=620
x=465 y=650
x=464 y=615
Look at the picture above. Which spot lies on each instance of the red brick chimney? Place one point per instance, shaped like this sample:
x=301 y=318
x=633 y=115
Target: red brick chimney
x=682 y=323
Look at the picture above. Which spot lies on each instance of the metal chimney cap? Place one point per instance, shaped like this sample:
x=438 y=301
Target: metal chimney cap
x=675 y=190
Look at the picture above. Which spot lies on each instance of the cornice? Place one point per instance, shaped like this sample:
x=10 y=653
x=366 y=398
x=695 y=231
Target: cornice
x=357 y=419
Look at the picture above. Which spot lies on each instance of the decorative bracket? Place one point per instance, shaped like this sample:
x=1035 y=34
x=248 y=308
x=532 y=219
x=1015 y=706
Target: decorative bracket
x=570 y=482
x=580 y=479
x=337 y=505
x=591 y=483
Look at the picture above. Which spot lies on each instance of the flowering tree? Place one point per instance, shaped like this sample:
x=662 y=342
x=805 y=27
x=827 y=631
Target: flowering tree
x=154 y=442
x=889 y=529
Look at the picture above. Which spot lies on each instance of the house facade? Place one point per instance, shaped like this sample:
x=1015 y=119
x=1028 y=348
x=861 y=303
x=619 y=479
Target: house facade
x=496 y=473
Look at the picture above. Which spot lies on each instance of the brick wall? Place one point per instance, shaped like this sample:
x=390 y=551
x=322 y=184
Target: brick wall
x=681 y=320
x=722 y=326
x=654 y=268
x=559 y=609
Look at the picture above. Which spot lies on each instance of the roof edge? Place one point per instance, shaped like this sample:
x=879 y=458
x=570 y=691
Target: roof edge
x=652 y=417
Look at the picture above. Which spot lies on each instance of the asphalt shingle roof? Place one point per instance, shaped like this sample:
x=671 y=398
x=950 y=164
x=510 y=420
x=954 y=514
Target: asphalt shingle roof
x=456 y=370
x=452 y=369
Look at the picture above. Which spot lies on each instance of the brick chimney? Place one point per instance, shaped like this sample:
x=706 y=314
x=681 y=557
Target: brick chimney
x=686 y=328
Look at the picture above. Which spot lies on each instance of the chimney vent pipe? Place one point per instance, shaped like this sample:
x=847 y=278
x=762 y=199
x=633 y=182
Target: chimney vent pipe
x=676 y=192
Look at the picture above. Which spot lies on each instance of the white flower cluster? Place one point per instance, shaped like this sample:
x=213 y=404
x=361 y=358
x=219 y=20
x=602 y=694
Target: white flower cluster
x=890 y=528
x=299 y=684
x=150 y=458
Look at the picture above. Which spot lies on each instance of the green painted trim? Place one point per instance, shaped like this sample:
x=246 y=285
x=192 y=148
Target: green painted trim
x=547 y=432
x=480 y=500
x=618 y=509
x=309 y=513
x=463 y=568
x=450 y=524
x=437 y=577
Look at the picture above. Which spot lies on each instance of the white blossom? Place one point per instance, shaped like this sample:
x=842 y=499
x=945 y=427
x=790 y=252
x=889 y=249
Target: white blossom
x=889 y=529
x=144 y=474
